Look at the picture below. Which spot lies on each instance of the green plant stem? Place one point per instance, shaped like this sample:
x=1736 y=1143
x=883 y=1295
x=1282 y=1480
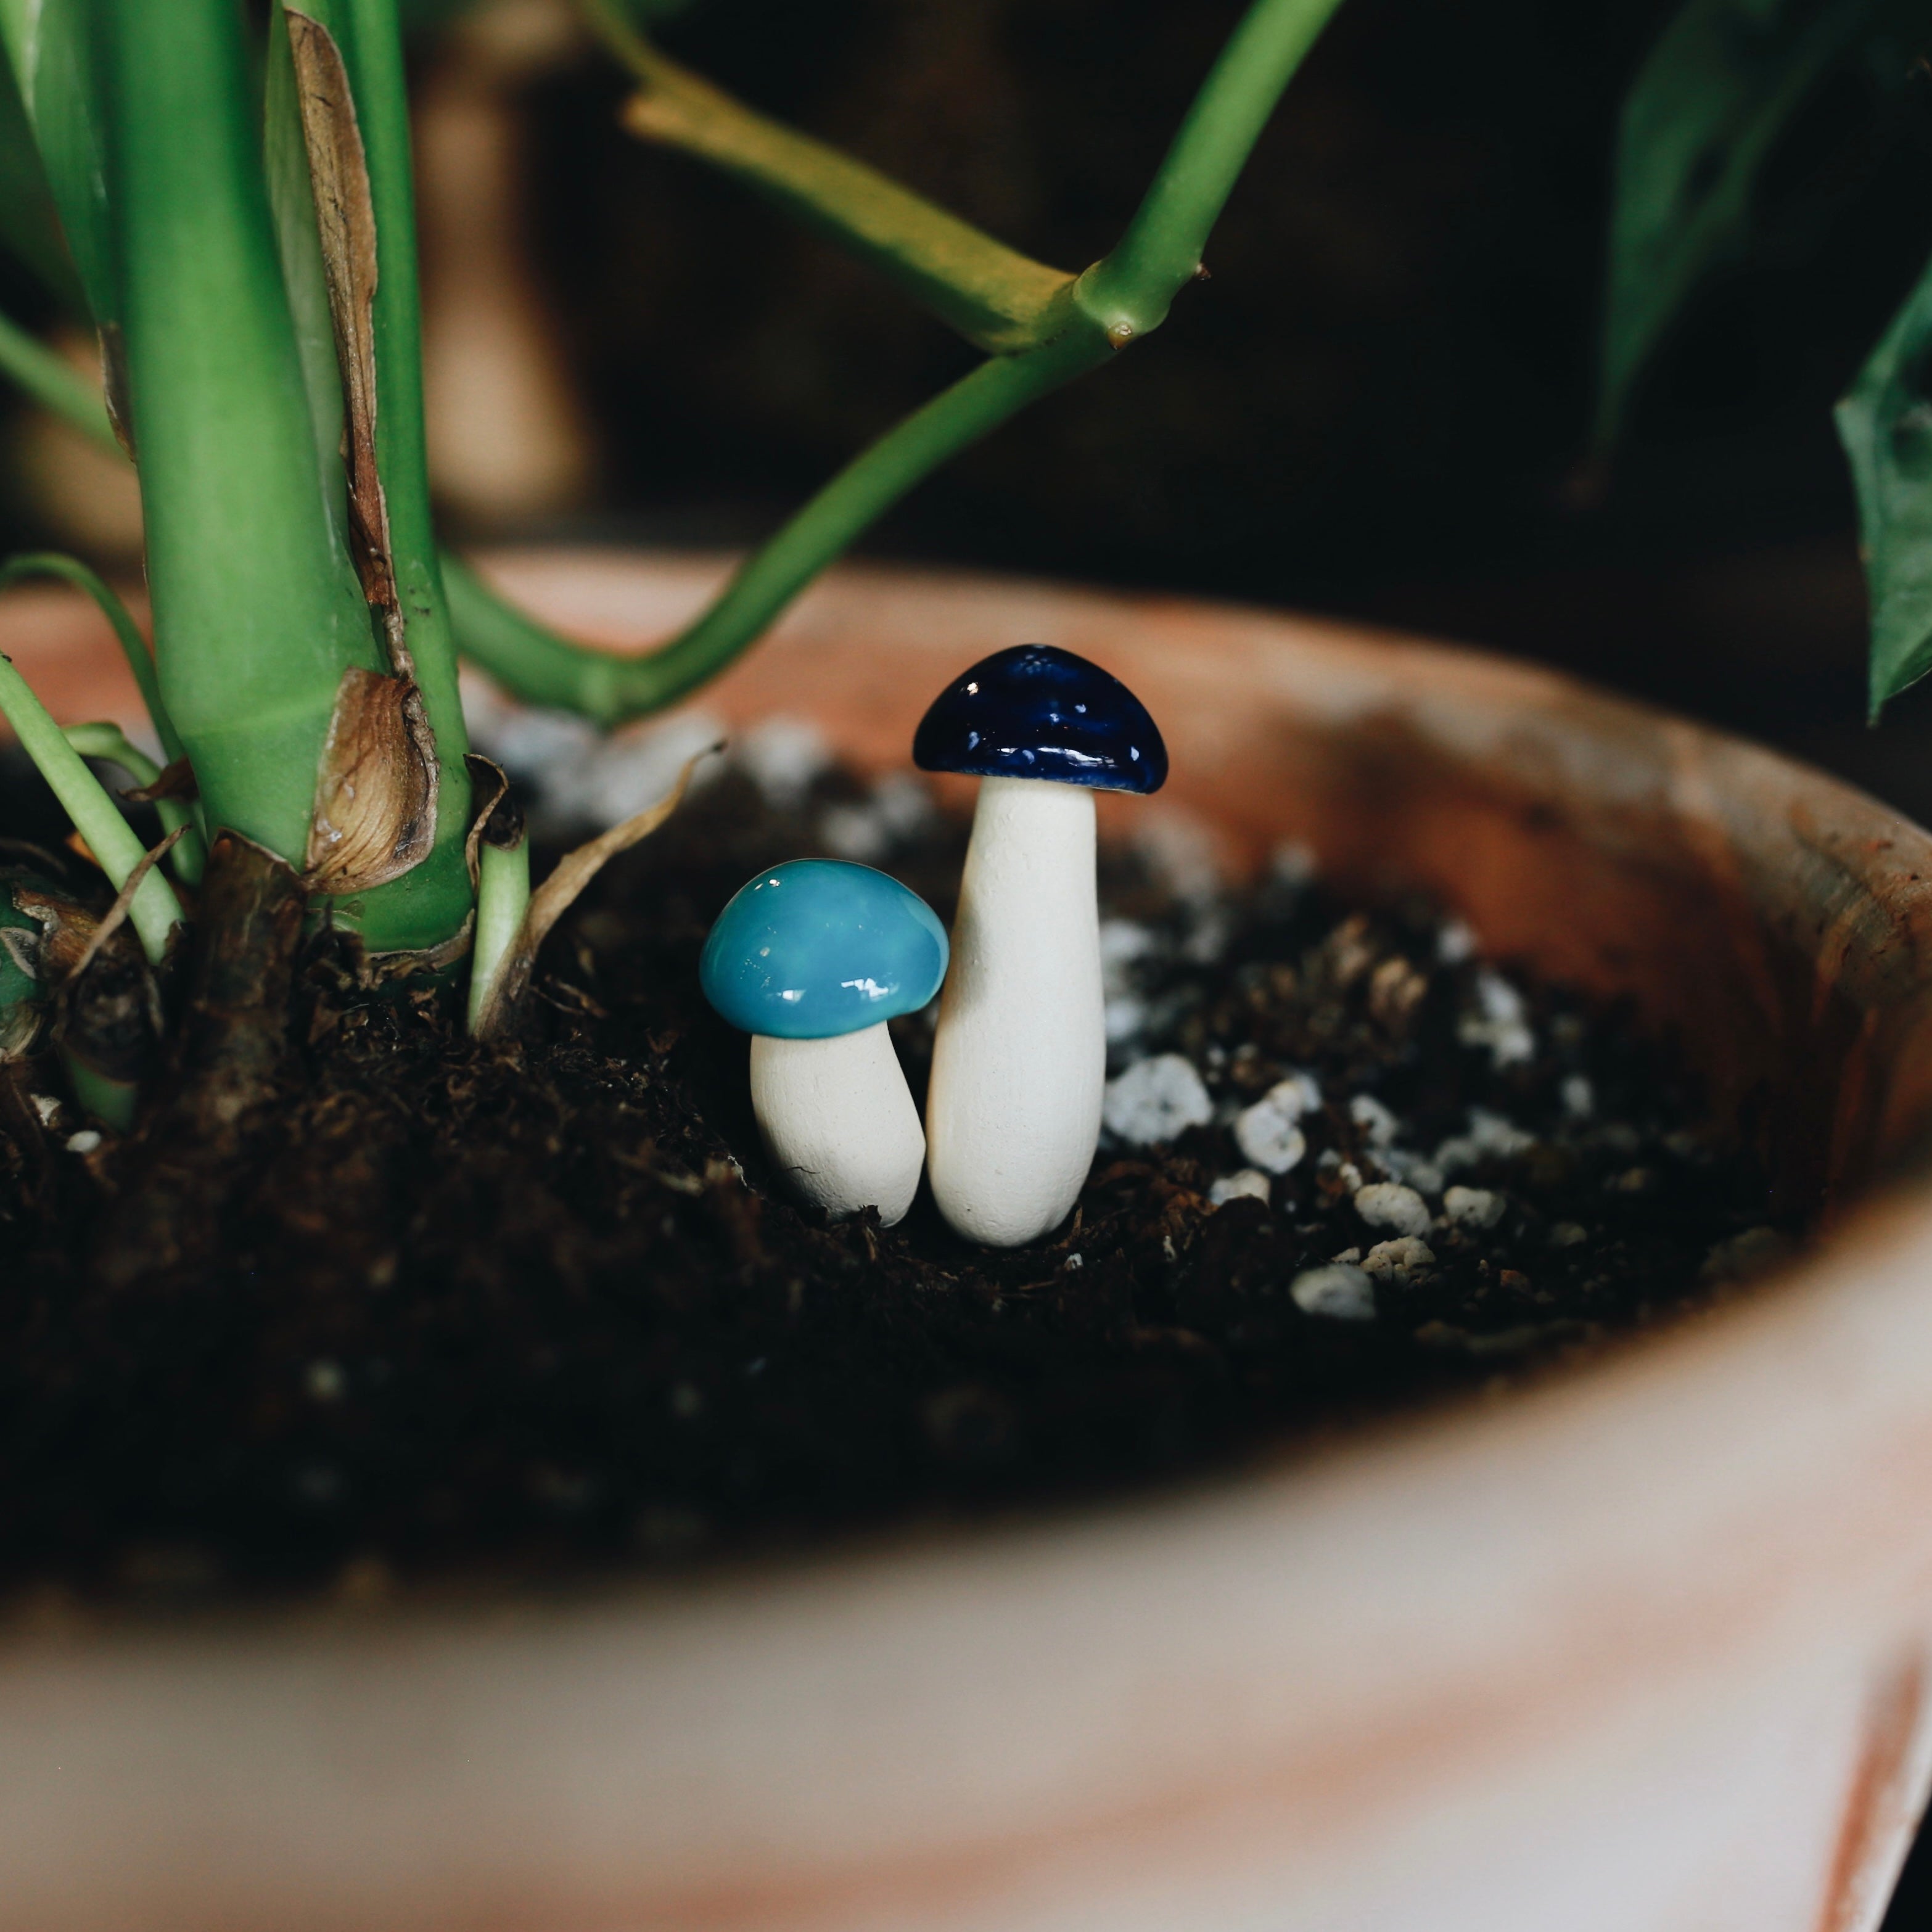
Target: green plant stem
x=127 y=632
x=1001 y=300
x=86 y=801
x=430 y=902
x=109 y=742
x=257 y=610
x=59 y=389
x=541 y=668
x=115 y=1102
x=503 y=897
x=1161 y=251
x=1119 y=299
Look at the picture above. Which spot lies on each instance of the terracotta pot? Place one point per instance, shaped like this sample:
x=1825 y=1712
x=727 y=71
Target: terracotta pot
x=1644 y=1648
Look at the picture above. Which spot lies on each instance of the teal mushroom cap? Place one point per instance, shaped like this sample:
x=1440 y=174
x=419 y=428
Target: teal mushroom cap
x=817 y=947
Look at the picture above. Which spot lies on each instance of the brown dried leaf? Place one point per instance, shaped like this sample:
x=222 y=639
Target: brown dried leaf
x=345 y=213
x=375 y=791
x=66 y=927
x=176 y=781
x=114 y=392
x=560 y=891
x=489 y=787
x=112 y=920
x=380 y=969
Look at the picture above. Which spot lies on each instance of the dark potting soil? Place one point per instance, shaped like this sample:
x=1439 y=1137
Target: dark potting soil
x=533 y=1311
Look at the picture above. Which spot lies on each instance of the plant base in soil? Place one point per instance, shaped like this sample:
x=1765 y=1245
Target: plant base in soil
x=540 y=1311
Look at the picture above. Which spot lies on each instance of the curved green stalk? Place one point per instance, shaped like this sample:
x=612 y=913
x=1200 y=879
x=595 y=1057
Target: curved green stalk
x=109 y=742
x=999 y=300
x=53 y=383
x=128 y=633
x=86 y=801
x=542 y=668
x=1118 y=301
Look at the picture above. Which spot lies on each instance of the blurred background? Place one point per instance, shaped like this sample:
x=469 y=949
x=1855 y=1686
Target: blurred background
x=1379 y=406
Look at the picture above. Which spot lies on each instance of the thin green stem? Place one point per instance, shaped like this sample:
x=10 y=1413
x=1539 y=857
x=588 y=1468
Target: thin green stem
x=127 y=632
x=59 y=389
x=1115 y=302
x=109 y=743
x=544 y=669
x=1161 y=251
x=86 y=801
x=1001 y=301
x=503 y=897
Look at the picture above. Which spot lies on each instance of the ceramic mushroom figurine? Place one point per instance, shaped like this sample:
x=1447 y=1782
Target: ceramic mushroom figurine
x=1013 y=1110
x=811 y=959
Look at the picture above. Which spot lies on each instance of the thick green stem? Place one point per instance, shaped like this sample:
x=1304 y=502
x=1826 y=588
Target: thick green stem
x=109 y=743
x=257 y=610
x=54 y=385
x=95 y=815
x=544 y=669
x=999 y=300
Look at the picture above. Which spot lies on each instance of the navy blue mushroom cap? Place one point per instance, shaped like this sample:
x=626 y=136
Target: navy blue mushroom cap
x=817 y=947
x=1033 y=712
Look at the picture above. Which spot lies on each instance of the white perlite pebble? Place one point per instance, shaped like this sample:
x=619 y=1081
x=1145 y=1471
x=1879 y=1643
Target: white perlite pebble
x=1742 y=1255
x=782 y=756
x=1155 y=1100
x=1580 y=1097
x=1293 y=864
x=85 y=1141
x=1374 y=1119
x=1250 y=1184
x=1125 y=1016
x=1267 y=1132
x=1399 y=1258
x=1123 y=942
x=1473 y=1207
x=1455 y=942
x=1404 y=1164
x=580 y=777
x=1387 y=1203
x=1499 y=1024
x=899 y=809
x=1488 y=1134
x=46 y=1106
x=1339 y=1291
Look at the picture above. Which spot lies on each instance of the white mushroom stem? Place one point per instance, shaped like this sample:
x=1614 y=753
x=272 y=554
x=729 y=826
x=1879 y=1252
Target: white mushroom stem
x=1020 y=1059
x=838 y=1117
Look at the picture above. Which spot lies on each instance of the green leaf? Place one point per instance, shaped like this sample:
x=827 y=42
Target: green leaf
x=28 y=225
x=1885 y=423
x=52 y=48
x=1699 y=122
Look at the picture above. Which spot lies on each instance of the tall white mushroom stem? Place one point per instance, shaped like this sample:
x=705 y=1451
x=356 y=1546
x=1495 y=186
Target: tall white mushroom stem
x=837 y=1116
x=1020 y=1059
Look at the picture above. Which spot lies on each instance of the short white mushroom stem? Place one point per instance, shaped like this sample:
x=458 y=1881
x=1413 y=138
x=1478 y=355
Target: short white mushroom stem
x=1020 y=1059
x=838 y=1117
